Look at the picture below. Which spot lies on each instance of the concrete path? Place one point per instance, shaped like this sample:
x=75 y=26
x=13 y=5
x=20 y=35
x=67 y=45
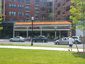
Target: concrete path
x=41 y=48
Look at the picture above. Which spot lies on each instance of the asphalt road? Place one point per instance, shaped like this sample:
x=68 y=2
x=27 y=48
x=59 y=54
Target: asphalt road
x=42 y=44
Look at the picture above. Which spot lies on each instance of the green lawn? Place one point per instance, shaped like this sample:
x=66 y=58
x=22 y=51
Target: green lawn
x=18 y=56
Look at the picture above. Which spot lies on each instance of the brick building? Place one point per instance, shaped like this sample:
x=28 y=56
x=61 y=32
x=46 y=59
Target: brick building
x=61 y=9
x=23 y=10
x=42 y=10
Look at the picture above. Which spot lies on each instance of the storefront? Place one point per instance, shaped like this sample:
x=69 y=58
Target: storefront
x=49 y=29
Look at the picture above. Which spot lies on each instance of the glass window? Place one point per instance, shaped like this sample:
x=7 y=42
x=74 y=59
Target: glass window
x=27 y=14
x=12 y=5
x=27 y=1
x=36 y=0
x=59 y=4
x=14 y=13
x=20 y=6
x=20 y=13
x=11 y=13
x=27 y=8
x=20 y=0
x=58 y=12
x=67 y=0
x=12 y=0
x=67 y=8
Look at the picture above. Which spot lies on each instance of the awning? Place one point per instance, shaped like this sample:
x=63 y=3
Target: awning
x=45 y=23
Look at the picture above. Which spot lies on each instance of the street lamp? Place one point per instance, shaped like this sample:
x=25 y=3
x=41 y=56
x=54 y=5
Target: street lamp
x=32 y=18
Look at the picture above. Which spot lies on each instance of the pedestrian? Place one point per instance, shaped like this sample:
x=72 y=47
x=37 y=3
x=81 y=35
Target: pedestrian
x=71 y=40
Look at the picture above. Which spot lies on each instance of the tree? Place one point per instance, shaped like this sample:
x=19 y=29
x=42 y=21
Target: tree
x=1 y=22
x=78 y=12
x=78 y=15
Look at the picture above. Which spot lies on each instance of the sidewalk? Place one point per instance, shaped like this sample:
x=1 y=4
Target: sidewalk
x=40 y=48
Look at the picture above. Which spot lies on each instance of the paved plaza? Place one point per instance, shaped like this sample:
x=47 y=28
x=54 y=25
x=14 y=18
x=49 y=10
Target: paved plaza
x=40 y=48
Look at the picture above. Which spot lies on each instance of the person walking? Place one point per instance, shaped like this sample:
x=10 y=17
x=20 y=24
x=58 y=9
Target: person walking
x=71 y=40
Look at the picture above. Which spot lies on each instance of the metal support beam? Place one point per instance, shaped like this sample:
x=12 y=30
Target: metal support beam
x=40 y=30
x=55 y=32
x=59 y=34
x=27 y=32
x=13 y=31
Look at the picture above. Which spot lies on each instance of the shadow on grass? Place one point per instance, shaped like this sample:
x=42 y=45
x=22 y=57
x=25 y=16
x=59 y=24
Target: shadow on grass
x=79 y=54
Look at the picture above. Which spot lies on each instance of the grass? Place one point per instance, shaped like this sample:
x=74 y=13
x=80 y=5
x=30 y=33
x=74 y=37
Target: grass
x=19 y=56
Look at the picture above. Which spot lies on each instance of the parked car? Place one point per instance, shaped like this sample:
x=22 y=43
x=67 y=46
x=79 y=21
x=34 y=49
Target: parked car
x=40 y=39
x=63 y=40
x=28 y=39
x=17 y=39
x=76 y=39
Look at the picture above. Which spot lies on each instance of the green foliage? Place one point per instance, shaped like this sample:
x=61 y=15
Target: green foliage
x=77 y=11
x=75 y=15
x=0 y=18
x=1 y=27
x=16 y=56
x=1 y=22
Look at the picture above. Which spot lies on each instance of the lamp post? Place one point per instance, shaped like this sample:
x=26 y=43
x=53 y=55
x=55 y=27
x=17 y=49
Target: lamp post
x=32 y=18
